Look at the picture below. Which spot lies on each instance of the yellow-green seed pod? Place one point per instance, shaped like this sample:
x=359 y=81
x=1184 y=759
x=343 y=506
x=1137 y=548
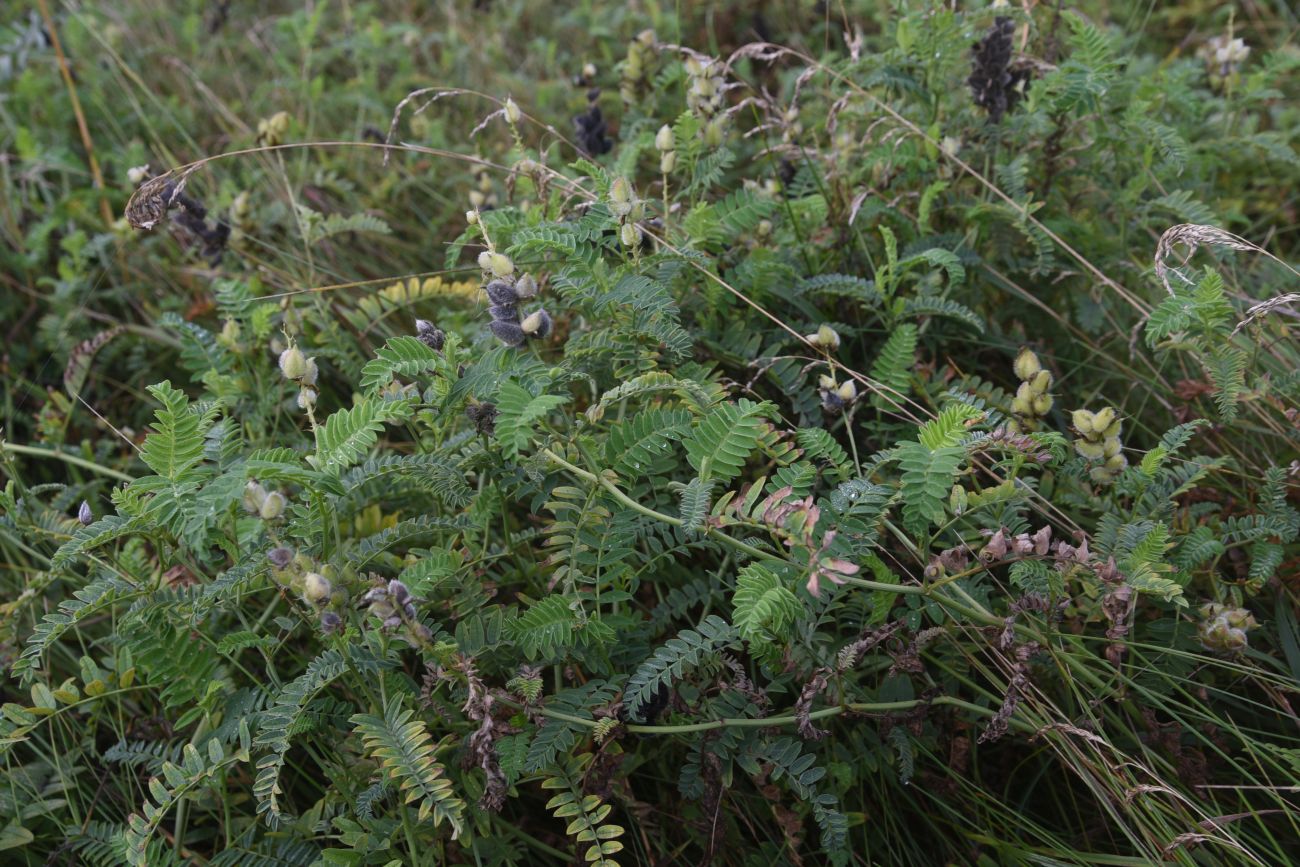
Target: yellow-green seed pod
x=272 y=506
x=668 y=162
x=1027 y=365
x=485 y=260
x=630 y=235
x=1084 y=422
x=500 y=265
x=471 y=217
x=958 y=499
x=827 y=382
x=1041 y=382
x=293 y=364
x=664 y=138
x=477 y=200
x=1114 y=429
x=1042 y=404
x=848 y=391
x=1104 y=418
x=713 y=133
x=513 y=114
x=1025 y=394
x=1091 y=451
x=620 y=191
x=1021 y=405
x=828 y=337
x=1110 y=446
x=1116 y=462
x=316 y=588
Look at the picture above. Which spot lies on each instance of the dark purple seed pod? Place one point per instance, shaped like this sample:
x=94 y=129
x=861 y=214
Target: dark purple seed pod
x=280 y=557
x=429 y=334
x=393 y=621
x=508 y=333
x=398 y=591
x=84 y=515
x=501 y=292
x=330 y=622
x=831 y=402
x=504 y=312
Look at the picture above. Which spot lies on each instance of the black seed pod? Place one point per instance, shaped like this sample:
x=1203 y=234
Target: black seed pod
x=280 y=557
x=504 y=312
x=501 y=292
x=994 y=85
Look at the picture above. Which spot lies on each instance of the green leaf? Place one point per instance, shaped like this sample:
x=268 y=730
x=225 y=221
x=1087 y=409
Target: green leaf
x=518 y=413
x=724 y=439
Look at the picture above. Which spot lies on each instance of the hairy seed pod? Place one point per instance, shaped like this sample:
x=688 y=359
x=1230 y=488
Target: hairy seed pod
x=664 y=138
x=501 y=292
x=316 y=588
x=1084 y=422
x=668 y=162
x=526 y=286
x=272 y=506
x=1103 y=419
x=1041 y=381
x=330 y=622
x=280 y=557
x=848 y=391
x=254 y=497
x=508 y=333
x=827 y=382
x=1113 y=429
x=504 y=312
x=537 y=324
x=630 y=235
x=293 y=364
x=1027 y=365
x=307 y=397
x=513 y=114
x=430 y=335
x=827 y=338
x=1110 y=446
x=1042 y=404
x=471 y=217
x=1090 y=450
x=310 y=372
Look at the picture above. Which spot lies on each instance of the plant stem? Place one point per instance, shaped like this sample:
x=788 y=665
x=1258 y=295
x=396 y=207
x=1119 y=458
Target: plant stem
x=33 y=451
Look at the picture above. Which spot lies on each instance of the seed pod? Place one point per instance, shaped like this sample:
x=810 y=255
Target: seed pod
x=848 y=391
x=504 y=312
x=500 y=265
x=254 y=497
x=316 y=588
x=630 y=235
x=471 y=217
x=280 y=557
x=1110 y=446
x=1027 y=365
x=620 y=197
x=831 y=402
x=958 y=499
x=1025 y=394
x=513 y=114
x=537 y=324
x=664 y=138
x=1103 y=418
x=668 y=162
x=589 y=71
x=330 y=622
x=1114 y=429
x=526 y=286
x=1091 y=451
x=827 y=338
x=1042 y=404
x=137 y=175
x=501 y=292
x=476 y=201
x=307 y=397
x=272 y=506
x=1084 y=422
x=84 y=515
x=1041 y=381
x=1021 y=405
x=485 y=260
x=827 y=382
x=310 y=372
x=430 y=335
x=293 y=364
x=508 y=333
